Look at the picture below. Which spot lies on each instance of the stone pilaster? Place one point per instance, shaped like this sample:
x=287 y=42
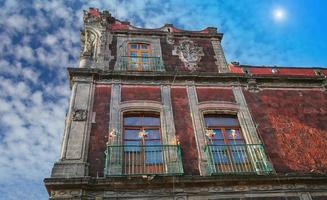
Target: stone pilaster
x=198 y=128
x=75 y=143
x=219 y=56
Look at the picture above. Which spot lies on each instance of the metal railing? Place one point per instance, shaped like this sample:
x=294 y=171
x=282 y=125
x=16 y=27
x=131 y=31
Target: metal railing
x=138 y=63
x=129 y=160
x=237 y=159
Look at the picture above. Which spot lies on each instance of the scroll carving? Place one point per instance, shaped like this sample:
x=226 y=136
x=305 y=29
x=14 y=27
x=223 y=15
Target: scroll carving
x=189 y=53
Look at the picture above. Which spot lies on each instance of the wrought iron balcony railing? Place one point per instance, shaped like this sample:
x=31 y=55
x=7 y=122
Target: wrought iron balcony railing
x=138 y=63
x=130 y=160
x=237 y=159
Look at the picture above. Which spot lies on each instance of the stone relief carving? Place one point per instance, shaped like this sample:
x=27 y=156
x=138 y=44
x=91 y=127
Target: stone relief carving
x=79 y=115
x=189 y=53
x=88 y=39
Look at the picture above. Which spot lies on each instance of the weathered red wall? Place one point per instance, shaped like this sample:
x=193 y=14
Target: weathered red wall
x=99 y=130
x=174 y=63
x=214 y=94
x=293 y=126
x=184 y=129
x=134 y=92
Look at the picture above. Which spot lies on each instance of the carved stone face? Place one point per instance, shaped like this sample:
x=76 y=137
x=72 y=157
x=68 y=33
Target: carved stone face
x=189 y=53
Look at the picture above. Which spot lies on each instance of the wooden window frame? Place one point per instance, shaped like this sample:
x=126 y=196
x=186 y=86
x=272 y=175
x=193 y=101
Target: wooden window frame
x=139 y=58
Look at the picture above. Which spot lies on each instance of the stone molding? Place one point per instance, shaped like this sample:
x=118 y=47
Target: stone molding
x=240 y=190
x=219 y=56
x=219 y=106
x=245 y=119
x=189 y=53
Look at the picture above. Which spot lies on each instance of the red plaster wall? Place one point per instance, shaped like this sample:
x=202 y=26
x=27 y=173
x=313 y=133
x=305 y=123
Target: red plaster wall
x=174 y=63
x=134 y=92
x=214 y=94
x=184 y=130
x=99 y=130
x=293 y=126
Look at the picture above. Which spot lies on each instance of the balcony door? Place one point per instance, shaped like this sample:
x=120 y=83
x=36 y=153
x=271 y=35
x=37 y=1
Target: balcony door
x=142 y=144
x=226 y=146
x=139 y=57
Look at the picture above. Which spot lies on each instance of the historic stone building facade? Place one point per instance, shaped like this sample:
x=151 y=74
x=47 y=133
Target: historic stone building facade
x=160 y=114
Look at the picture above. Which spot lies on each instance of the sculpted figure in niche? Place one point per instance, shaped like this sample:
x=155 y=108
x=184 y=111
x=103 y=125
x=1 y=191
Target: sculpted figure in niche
x=189 y=53
x=89 y=43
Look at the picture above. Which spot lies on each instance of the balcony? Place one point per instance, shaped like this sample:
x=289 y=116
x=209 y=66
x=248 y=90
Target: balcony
x=139 y=63
x=237 y=159
x=134 y=160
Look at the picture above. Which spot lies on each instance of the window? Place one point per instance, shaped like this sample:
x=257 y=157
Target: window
x=139 y=56
x=142 y=144
x=227 y=149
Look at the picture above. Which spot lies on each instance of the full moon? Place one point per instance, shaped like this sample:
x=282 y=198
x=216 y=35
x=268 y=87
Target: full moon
x=279 y=14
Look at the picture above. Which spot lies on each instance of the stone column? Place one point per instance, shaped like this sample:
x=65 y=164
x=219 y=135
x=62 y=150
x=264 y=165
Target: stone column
x=73 y=160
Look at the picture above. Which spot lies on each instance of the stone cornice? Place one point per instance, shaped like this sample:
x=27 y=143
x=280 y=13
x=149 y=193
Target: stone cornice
x=161 y=33
x=182 y=181
x=198 y=78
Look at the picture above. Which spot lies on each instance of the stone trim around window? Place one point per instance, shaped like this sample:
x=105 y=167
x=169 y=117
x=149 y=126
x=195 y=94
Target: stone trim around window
x=198 y=110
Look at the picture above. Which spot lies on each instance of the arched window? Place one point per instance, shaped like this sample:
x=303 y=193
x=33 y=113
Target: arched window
x=139 y=57
x=143 y=153
x=226 y=147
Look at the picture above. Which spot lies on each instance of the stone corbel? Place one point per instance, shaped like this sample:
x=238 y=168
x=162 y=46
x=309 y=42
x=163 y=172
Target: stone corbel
x=324 y=85
x=252 y=85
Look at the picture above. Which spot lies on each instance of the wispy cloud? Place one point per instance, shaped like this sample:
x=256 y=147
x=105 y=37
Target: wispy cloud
x=39 y=39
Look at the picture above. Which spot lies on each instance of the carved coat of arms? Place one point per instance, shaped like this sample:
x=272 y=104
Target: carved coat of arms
x=189 y=53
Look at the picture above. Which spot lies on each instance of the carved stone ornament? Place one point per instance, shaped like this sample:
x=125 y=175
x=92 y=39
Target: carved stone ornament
x=189 y=53
x=88 y=39
x=170 y=38
x=252 y=85
x=94 y=17
x=80 y=115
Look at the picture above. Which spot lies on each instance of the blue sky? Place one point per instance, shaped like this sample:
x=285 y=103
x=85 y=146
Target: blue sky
x=40 y=39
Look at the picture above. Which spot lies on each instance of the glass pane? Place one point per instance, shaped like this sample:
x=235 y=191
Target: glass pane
x=146 y=66
x=218 y=142
x=153 y=157
x=133 y=54
x=131 y=134
x=218 y=134
x=133 y=121
x=233 y=134
x=133 y=46
x=220 y=154
x=220 y=121
x=151 y=121
x=236 y=142
x=153 y=134
x=144 y=46
x=132 y=146
x=239 y=154
x=133 y=66
x=153 y=143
